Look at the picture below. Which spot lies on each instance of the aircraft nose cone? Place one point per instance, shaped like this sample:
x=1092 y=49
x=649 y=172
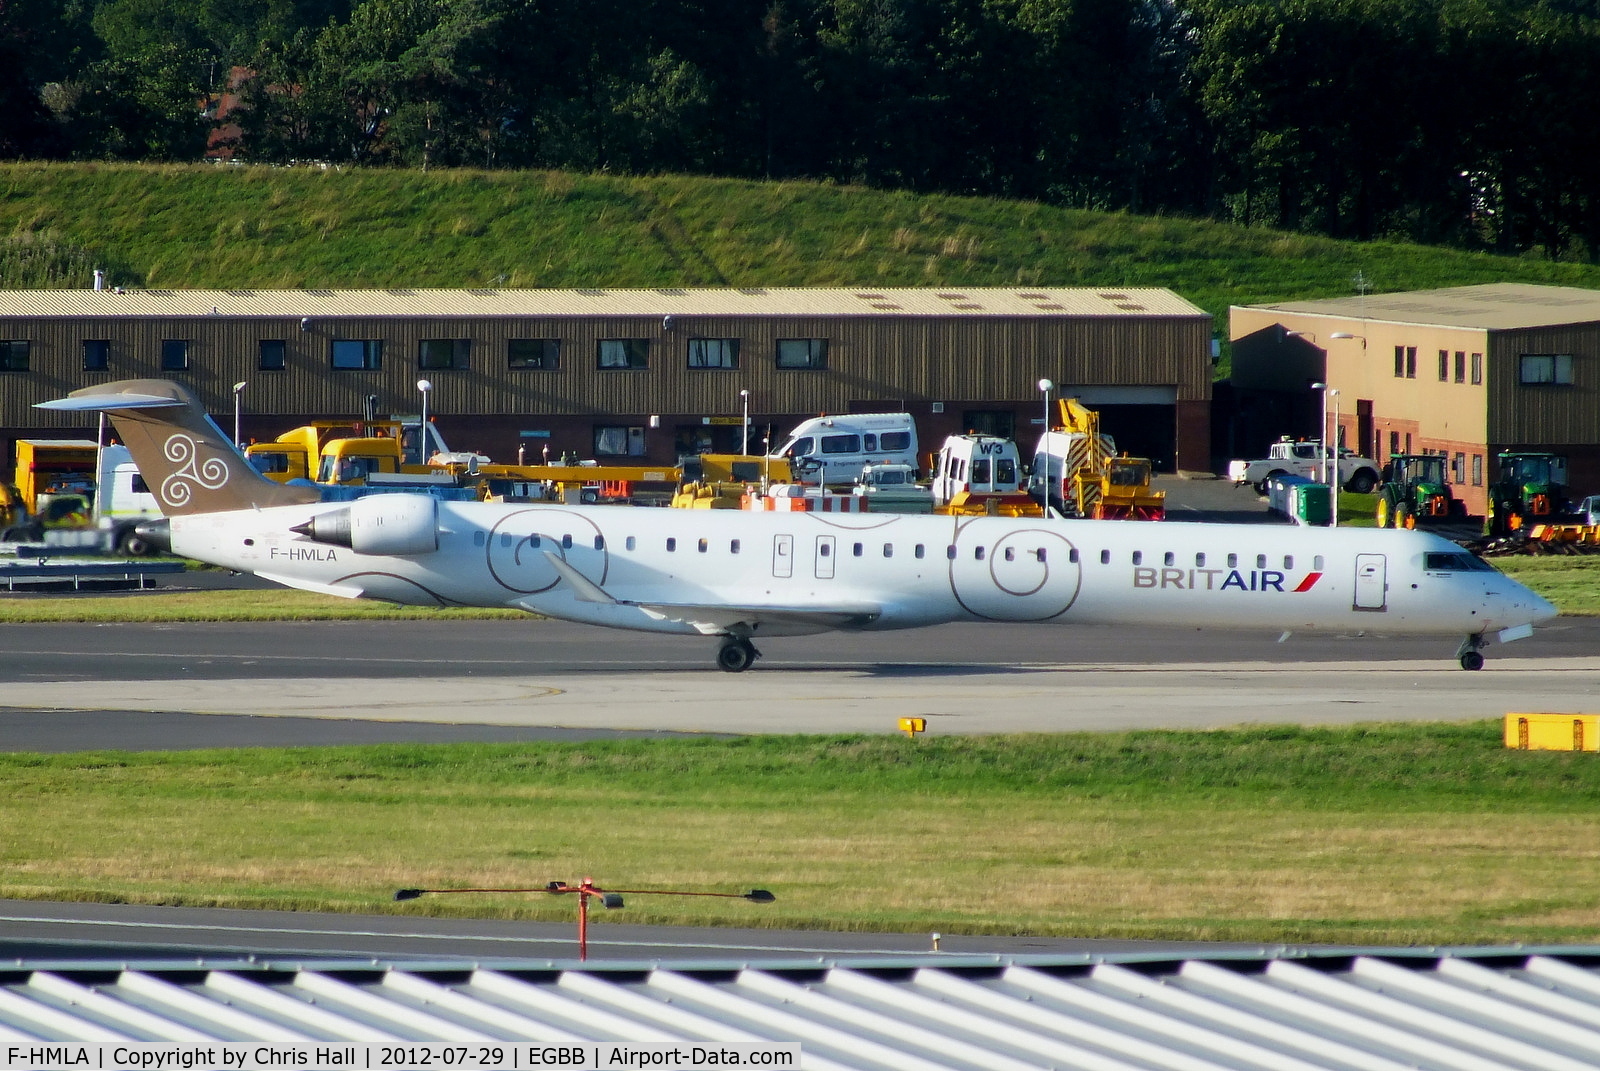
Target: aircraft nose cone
x=1542 y=608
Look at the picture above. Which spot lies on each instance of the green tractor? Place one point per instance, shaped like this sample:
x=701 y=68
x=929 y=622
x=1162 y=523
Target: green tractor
x=1416 y=493
x=1531 y=489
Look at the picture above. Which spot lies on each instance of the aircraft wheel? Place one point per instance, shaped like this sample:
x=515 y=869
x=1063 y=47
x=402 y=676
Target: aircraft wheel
x=736 y=656
x=1472 y=660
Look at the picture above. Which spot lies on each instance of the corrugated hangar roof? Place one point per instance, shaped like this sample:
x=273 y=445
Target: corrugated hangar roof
x=758 y=301
x=1468 y=1010
x=1491 y=306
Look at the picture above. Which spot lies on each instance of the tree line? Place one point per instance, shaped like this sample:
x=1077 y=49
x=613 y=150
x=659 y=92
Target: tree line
x=1460 y=122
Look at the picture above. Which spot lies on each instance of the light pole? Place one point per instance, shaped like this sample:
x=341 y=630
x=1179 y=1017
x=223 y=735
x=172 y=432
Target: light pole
x=1333 y=493
x=1044 y=447
x=744 y=424
x=422 y=432
x=238 y=389
x=609 y=898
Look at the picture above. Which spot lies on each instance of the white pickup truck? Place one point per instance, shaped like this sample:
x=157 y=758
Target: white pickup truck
x=1303 y=457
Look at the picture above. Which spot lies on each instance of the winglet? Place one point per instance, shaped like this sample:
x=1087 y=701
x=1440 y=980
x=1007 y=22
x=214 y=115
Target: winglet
x=585 y=589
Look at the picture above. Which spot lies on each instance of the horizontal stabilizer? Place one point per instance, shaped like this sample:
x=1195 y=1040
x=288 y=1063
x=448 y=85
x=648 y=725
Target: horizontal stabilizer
x=90 y=403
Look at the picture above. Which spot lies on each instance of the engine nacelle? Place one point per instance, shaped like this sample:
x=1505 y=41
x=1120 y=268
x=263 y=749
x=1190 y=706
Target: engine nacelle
x=379 y=524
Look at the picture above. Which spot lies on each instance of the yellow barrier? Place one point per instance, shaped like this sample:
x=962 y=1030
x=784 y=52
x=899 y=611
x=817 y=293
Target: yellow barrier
x=1553 y=732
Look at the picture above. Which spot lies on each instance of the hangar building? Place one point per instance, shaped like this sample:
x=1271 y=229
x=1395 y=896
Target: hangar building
x=1467 y=372
x=646 y=374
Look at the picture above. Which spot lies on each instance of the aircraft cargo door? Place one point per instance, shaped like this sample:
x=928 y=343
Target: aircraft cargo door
x=1372 y=585
x=826 y=545
x=783 y=556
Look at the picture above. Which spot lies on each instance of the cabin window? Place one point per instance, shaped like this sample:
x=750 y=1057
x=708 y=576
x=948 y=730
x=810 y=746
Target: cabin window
x=888 y=550
x=856 y=549
x=950 y=552
x=672 y=544
x=733 y=546
x=1261 y=561
x=1072 y=555
x=1288 y=561
x=478 y=539
x=824 y=550
x=566 y=542
x=977 y=554
x=1011 y=554
x=1233 y=561
x=1039 y=554
x=1105 y=557
x=703 y=546
x=918 y=551
x=533 y=541
x=1169 y=558
x=631 y=543
x=505 y=539
x=1455 y=562
x=599 y=542
x=1138 y=557
x=1316 y=563
x=1200 y=560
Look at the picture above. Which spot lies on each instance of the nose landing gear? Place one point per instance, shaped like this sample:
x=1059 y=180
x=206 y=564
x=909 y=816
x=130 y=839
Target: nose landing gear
x=1469 y=653
x=736 y=655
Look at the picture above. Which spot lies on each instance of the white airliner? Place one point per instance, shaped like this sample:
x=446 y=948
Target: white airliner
x=738 y=575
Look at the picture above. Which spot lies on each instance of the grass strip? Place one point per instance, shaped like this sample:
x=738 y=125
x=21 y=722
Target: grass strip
x=1429 y=833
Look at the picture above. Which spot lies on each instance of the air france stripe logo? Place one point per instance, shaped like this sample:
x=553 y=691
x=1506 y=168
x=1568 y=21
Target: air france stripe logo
x=1219 y=579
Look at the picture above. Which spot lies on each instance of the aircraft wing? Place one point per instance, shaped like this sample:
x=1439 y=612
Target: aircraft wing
x=717 y=618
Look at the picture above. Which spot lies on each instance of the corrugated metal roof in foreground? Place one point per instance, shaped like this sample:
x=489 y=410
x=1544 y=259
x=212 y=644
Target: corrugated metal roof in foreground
x=1474 y=1010
x=757 y=301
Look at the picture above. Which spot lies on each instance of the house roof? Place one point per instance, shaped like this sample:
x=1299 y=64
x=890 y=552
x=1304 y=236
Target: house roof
x=1491 y=306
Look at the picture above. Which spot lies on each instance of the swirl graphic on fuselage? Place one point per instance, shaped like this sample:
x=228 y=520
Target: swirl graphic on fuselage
x=179 y=487
x=517 y=543
x=1022 y=574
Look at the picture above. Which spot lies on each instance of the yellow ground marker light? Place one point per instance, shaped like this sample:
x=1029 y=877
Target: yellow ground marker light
x=912 y=726
x=1553 y=732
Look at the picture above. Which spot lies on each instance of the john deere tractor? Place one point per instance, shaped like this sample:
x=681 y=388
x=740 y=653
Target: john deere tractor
x=1531 y=489
x=1416 y=493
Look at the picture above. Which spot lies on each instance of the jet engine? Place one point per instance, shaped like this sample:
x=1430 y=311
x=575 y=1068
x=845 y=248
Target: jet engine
x=379 y=524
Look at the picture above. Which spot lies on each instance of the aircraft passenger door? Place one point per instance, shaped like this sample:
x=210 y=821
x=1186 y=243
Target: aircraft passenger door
x=826 y=546
x=1372 y=585
x=783 y=556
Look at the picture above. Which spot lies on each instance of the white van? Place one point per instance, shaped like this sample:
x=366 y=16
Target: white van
x=835 y=449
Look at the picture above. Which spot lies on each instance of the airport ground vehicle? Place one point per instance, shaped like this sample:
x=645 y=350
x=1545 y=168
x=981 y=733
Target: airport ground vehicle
x=1531 y=489
x=346 y=451
x=1303 y=457
x=1415 y=493
x=892 y=488
x=1588 y=511
x=1077 y=472
x=74 y=490
x=836 y=449
x=981 y=475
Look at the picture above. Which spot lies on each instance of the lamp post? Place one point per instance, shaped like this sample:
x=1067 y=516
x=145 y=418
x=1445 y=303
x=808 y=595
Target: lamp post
x=238 y=389
x=1333 y=492
x=422 y=432
x=1044 y=483
x=744 y=423
x=1328 y=477
x=585 y=889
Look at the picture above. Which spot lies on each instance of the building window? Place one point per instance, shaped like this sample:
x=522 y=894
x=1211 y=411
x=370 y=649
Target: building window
x=802 y=353
x=1477 y=368
x=539 y=354
x=618 y=440
x=1477 y=470
x=1444 y=366
x=624 y=353
x=713 y=353
x=1461 y=367
x=1458 y=468
x=1405 y=362
x=1394 y=442
x=96 y=355
x=274 y=354
x=443 y=354
x=174 y=355
x=1001 y=423
x=356 y=354
x=14 y=355
x=1547 y=368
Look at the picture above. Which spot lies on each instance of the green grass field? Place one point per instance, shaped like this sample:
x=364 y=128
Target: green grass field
x=206 y=226
x=1392 y=833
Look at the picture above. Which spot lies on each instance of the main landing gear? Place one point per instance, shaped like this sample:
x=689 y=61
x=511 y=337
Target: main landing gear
x=736 y=654
x=1469 y=652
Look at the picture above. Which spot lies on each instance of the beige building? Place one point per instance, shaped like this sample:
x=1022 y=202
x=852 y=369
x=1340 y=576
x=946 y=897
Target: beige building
x=615 y=374
x=1467 y=372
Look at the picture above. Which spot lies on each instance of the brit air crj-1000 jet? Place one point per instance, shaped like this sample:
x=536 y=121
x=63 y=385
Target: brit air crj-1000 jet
x=739 y=575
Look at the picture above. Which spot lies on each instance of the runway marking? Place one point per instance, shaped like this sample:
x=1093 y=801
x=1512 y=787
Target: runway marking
x=446 y=936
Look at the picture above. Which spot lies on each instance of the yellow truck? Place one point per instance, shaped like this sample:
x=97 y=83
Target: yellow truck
x=346 y=452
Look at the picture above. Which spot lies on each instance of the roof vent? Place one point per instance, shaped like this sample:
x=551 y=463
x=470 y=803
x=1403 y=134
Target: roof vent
x=1129 y=307
x=885 y=305
x=1050 y=306
x=1115 y=297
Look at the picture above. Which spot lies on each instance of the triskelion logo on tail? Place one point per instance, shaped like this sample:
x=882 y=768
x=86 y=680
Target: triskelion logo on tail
x=210 y=473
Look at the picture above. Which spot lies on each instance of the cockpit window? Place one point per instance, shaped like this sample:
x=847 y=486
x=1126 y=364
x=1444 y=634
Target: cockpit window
x=1458 y=562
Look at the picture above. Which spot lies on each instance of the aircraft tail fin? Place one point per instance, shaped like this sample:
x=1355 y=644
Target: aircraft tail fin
x=189 y=463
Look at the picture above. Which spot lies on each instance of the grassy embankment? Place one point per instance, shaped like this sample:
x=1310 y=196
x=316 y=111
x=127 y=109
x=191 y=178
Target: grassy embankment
x=1404 y=833
x=202 y=226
